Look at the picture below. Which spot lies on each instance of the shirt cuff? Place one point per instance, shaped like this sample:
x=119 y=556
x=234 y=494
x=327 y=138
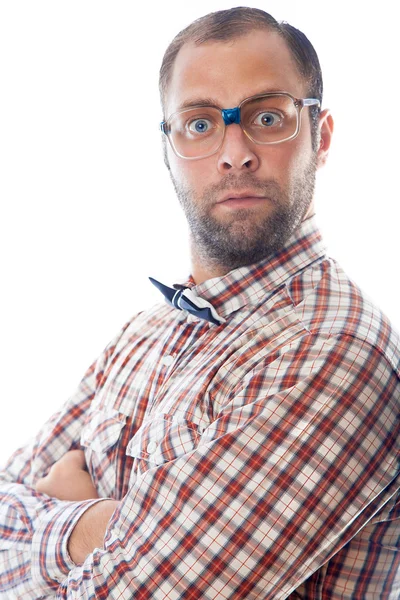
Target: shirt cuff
x=51 y=561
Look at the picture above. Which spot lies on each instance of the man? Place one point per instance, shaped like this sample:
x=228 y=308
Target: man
x=240 y=441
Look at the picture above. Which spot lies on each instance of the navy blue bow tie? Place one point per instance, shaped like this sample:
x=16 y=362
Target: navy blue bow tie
x=185 y=299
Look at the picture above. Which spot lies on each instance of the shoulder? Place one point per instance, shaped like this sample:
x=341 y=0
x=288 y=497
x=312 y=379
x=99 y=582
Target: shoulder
x=332 y=306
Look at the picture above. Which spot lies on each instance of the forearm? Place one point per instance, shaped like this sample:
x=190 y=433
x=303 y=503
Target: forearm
x=31 y=564
x=261 y=503
x=89 y=531
x=21 y=508
x=34 y=531
x=192 y=542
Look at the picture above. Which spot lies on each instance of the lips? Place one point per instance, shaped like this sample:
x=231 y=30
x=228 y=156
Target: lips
x=243 y=200
x=246 y=195
x=242 y=203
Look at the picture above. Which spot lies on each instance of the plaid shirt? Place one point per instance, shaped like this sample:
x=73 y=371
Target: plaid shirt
x=254 y=459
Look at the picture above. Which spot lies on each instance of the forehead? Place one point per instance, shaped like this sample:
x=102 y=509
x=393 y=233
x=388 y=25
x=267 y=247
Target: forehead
x=227 y=72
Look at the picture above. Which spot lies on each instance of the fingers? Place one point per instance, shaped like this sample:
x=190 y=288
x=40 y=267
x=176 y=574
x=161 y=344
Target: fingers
x=75 y=458
x=66 y=483
x=68 y=478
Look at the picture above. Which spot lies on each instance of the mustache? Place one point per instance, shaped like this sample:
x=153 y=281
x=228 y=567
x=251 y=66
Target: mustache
x=268 y=187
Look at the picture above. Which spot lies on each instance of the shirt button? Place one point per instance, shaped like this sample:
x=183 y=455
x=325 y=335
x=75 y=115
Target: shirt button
x=167 y=360
x=152 y=447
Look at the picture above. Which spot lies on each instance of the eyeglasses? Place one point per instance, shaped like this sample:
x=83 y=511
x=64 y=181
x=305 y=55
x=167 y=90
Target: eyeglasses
x=199 y=131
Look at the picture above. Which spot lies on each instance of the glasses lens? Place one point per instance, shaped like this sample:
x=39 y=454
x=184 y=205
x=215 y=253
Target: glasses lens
x=196 y=132
x=269 y=119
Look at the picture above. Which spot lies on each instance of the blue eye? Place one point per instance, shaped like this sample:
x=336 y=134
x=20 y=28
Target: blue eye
x=199 y=125
x=267 y=119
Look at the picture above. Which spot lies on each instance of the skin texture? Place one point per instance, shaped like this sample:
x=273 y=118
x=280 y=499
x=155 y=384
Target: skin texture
x=223 y=235
x=90 y=530
x=69 y=480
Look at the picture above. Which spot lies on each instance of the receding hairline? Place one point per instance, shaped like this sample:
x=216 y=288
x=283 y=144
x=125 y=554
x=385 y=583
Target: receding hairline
x=202 y=40
x=230 y=41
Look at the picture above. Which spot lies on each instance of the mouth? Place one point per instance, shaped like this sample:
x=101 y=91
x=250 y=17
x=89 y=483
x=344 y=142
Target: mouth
x=245 y=199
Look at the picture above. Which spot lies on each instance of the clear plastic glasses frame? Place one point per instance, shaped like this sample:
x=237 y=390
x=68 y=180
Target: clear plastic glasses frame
x=234 y=115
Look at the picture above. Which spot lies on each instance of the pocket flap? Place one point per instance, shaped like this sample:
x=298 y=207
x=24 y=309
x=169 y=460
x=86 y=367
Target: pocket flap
x=163 y=439
x=102 y=429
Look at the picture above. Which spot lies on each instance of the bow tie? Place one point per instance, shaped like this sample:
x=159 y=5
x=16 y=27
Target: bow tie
x=185 y=299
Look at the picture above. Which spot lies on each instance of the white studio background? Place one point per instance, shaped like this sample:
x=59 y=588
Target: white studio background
x=87 y=209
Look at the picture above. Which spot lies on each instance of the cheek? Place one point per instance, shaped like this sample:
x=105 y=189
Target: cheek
x=285 y=161
x=190 y=174
x=278 y=162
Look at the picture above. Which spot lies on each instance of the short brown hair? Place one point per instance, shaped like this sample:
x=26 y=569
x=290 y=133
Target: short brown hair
x=228 y=24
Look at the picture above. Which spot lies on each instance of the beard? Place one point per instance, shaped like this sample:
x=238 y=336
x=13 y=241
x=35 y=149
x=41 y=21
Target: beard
x=243 y=237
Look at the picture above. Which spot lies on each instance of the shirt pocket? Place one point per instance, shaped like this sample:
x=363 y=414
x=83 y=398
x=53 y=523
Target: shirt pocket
x=163 y=439
x=100 y=438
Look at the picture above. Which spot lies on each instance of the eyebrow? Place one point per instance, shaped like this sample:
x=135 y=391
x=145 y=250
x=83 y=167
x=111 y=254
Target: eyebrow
x=201 y=101
x=197 y=102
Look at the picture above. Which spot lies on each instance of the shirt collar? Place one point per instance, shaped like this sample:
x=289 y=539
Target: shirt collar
x=249 y=285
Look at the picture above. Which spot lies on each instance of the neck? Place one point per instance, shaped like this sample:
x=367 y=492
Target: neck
x=203 y=269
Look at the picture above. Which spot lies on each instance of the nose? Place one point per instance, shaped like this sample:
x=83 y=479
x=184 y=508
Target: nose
x=237 y=151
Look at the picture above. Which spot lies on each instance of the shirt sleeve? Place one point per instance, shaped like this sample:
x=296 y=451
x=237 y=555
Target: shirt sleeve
x=298 y=460
x=23 y=511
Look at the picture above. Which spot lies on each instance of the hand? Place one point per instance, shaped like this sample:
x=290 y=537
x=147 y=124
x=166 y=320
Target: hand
x=68 y=479
x=90 y=530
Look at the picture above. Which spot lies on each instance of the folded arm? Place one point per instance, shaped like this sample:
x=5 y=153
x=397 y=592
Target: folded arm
x=279 y=483
x=26 y=501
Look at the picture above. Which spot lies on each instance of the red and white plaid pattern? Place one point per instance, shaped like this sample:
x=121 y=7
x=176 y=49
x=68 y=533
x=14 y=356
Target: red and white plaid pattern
x=254 y=459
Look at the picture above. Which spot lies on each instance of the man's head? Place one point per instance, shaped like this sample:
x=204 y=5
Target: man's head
x=222 y=59
x=227 y=25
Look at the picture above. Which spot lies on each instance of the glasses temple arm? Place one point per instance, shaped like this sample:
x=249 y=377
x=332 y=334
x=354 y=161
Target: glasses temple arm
x=311 y=102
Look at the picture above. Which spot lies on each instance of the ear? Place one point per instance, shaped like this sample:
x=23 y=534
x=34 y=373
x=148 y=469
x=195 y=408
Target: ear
x=326 y=125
